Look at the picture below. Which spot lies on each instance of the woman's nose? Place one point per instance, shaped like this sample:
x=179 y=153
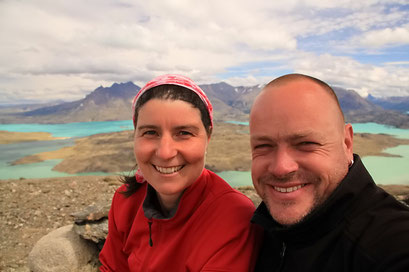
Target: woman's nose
x=166 y=148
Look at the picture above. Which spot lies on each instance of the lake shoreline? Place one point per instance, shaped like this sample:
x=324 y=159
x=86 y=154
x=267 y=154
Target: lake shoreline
x=229 y=150
x=365 y=144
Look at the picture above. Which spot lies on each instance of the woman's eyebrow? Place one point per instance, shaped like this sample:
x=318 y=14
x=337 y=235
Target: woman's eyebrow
x=194 y=127
x=146 y=127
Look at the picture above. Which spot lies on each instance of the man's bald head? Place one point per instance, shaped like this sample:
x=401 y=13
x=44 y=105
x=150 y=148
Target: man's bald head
x=290 y=78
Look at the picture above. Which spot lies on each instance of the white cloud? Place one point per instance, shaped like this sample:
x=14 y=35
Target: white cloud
x=55 y=46
x=385 y=37
x=397 y=63
x=349 y=73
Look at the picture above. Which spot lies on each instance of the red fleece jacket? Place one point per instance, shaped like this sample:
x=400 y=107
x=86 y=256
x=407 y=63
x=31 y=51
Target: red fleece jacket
x=210 y=231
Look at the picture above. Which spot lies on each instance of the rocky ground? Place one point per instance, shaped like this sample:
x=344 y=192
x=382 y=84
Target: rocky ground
x=31 y=208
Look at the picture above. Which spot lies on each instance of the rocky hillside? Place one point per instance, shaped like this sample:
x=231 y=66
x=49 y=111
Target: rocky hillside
x=360 y=110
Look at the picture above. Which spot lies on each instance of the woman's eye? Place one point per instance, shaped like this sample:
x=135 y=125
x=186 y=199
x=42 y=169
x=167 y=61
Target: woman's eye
x=149 y=133
x=184 y=133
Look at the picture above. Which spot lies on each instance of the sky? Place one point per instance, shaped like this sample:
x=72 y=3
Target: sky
x=62 y=50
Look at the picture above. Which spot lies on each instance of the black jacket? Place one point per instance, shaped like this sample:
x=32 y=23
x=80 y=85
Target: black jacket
x=360 y=227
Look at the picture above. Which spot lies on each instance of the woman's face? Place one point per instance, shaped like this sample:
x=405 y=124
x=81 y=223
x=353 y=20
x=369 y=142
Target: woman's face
x=169 y=144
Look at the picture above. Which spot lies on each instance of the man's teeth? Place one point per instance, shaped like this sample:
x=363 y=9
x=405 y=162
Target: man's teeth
x=288 y=189
x=168 y=170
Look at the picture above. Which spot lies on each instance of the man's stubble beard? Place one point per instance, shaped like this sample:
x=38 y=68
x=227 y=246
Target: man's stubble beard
x=304 y=178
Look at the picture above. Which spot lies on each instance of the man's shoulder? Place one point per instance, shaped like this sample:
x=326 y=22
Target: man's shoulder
x=380 y=228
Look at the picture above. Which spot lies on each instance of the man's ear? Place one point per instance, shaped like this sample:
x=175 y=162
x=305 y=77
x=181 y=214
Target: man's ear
x=348 y=141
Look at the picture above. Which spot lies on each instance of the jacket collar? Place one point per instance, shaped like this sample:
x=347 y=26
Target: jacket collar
x=190 y=199
x=328 y=215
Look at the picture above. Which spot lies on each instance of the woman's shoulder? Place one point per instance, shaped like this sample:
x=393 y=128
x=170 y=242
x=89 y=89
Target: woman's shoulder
x=221 y=191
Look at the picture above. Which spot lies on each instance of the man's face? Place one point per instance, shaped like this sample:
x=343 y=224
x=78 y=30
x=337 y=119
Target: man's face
x=300 y=146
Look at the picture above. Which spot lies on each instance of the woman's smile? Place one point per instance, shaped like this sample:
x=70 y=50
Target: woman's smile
x=168 y=170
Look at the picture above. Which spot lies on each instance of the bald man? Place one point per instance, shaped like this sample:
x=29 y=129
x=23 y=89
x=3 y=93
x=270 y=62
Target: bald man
x=321 y=210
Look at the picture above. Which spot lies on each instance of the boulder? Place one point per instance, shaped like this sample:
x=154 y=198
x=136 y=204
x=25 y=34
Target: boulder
x=62 y=250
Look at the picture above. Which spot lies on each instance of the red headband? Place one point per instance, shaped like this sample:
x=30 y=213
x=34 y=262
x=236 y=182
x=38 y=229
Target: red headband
x=178 y=80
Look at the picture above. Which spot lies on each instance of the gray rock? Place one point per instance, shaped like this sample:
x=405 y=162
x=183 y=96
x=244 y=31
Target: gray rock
x=95 y=231
x=92 y=223
x=62 y=250
x=93 y=212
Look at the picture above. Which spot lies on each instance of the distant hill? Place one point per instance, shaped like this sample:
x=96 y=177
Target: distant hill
x=103 y=104
x=360 y=110
x=230 y=103
x=397 y=103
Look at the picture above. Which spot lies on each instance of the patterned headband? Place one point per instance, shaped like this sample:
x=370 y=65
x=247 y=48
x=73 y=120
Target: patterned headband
x=173 y=79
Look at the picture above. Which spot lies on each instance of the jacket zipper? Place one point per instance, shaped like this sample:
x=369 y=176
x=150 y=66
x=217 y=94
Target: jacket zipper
x=150 y=231
x=282 y=255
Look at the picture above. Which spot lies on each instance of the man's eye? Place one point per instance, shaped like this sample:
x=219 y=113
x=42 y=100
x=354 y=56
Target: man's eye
x=308 y=146
x=260 y=146
x=307 y=143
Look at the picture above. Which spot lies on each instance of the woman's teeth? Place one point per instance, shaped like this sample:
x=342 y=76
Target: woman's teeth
x=288 y=189
x=168 y=170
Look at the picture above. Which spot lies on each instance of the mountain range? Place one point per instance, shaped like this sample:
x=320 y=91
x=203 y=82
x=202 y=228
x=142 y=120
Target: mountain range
x=230 y=103
x=397 y=103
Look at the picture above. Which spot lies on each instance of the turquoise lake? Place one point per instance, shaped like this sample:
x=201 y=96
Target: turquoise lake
x=385 y=170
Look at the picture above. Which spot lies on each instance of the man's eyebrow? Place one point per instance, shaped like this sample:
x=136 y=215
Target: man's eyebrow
x=261 y=138
x=294 y=136
x=300 y=135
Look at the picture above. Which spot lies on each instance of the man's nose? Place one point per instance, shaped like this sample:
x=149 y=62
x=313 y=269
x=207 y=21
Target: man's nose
x=282 y=163
x=166 y=148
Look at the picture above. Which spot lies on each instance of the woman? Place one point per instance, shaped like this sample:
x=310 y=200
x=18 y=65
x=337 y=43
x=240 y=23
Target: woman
x=175 y=215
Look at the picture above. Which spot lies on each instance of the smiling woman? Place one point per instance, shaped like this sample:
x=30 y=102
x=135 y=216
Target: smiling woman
x=169 y=149
x=175 y=215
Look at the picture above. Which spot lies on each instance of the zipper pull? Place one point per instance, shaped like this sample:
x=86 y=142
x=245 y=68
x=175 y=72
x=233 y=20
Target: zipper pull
x=283 y=248
x=150 y=232
x=282 y=254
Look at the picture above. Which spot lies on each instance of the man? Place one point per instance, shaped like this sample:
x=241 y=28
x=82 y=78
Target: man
x=321 y=210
